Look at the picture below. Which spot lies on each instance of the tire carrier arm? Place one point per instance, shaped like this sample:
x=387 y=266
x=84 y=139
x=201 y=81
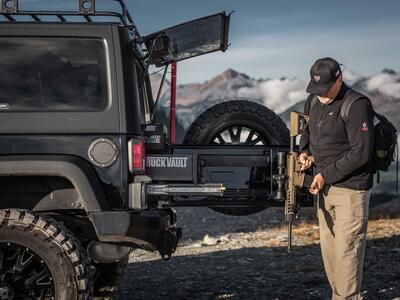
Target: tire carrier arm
x=172 y=103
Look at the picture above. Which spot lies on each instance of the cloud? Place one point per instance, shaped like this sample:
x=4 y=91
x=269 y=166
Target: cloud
x=278 y=94
x=385 y=83
x=351 y=77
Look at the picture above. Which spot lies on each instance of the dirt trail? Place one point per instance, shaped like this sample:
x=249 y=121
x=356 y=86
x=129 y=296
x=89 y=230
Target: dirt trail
x=223 y=257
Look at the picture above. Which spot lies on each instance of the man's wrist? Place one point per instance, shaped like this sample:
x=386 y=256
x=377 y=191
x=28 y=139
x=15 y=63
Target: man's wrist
x=325 y=176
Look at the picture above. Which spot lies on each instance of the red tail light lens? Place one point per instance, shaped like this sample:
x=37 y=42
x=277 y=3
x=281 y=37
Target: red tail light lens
x=137 y=156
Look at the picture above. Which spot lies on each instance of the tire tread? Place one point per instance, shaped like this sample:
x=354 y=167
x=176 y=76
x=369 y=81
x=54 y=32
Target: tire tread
x=56 y=235
x=213 y=113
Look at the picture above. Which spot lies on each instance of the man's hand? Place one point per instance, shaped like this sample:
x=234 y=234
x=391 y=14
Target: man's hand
x=305 y=162
x=317 y=184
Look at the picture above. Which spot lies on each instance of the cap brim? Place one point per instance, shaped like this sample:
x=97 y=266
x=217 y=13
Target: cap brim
x=318 y=89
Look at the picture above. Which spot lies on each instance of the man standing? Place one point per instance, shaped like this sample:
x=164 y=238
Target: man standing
x=342 y=150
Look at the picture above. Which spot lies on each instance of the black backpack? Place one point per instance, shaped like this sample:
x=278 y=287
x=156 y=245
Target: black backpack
x=385 y=135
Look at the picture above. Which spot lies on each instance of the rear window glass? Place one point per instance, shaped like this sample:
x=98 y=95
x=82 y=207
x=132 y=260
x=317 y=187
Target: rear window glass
x=53 y=74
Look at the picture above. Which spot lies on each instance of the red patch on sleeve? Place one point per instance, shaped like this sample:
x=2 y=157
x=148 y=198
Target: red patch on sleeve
x=364 y=127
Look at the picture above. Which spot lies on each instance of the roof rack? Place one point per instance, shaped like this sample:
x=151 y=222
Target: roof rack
x=86 y=9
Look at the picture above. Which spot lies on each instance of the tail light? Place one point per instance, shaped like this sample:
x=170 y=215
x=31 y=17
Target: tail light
x=137 y=156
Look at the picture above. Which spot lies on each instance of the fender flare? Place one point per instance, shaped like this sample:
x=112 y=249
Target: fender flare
x=78 y=171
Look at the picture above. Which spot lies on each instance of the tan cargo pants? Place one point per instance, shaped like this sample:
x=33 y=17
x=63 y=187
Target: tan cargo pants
x=343 y=218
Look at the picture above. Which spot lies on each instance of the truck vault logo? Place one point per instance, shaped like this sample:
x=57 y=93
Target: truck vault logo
x=166 y=162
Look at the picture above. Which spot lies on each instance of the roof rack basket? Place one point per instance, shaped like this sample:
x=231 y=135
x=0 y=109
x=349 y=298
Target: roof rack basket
x=86 y=9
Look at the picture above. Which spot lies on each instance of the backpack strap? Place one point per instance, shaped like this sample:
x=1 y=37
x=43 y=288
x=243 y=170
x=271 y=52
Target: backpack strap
x=350 y=97
x=310 y=103
x=314 y=101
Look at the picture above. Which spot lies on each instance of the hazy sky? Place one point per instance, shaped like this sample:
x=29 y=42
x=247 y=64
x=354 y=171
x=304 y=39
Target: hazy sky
x=272 y=39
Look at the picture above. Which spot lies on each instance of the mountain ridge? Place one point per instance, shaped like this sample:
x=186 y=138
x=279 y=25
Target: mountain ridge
x=281 y=95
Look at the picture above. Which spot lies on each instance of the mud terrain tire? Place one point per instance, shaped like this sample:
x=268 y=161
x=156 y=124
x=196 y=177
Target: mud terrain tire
x=56 y=248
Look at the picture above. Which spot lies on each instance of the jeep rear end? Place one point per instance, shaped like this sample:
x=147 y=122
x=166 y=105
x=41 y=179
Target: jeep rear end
x=81 y=154
x=71 y=132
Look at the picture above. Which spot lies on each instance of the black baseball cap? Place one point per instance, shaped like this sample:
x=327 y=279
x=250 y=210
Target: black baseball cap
x=324 y=73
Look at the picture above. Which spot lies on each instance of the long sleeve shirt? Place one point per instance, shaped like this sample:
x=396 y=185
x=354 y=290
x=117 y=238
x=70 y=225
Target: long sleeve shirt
x=342 y=149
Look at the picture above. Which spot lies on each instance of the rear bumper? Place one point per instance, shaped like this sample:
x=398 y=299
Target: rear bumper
x=150 y=229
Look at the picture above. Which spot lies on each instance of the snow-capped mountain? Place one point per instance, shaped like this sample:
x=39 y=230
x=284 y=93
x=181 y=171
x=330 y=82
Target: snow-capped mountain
x=193 y=99
x=281 y=95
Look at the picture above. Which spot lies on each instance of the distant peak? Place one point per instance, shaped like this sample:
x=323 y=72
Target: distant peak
x=389 y=71
x=231 y=73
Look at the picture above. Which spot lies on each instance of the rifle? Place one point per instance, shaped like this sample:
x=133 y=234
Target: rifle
x=291 y=179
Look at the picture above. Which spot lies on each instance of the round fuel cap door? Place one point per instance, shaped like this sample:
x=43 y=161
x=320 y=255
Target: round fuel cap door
x=103 y=152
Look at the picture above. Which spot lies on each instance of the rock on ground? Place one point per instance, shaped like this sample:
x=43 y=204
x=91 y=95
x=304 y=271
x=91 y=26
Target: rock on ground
x=224 y=257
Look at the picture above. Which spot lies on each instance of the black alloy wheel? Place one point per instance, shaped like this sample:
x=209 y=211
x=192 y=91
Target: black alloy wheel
x=24 y=274
x=238 y=135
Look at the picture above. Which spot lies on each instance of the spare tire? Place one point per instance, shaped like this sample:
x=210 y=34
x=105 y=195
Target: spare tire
x=238 y=122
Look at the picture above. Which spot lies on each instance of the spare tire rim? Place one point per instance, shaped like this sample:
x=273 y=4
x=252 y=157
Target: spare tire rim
x=24 y=274
x=238 y=135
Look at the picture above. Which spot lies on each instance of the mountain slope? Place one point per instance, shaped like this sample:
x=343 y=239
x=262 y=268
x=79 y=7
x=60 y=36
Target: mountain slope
x=281 y=95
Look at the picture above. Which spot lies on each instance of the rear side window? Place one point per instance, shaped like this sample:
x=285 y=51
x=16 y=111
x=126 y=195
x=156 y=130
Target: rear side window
x=53 y=74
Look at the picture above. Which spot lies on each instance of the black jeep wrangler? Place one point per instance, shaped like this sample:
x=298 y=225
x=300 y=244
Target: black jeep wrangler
x=86 y=173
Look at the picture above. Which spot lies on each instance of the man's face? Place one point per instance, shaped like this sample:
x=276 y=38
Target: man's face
x=330 y=96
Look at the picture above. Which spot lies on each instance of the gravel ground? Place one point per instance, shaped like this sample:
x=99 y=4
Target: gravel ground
x=223 y=257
